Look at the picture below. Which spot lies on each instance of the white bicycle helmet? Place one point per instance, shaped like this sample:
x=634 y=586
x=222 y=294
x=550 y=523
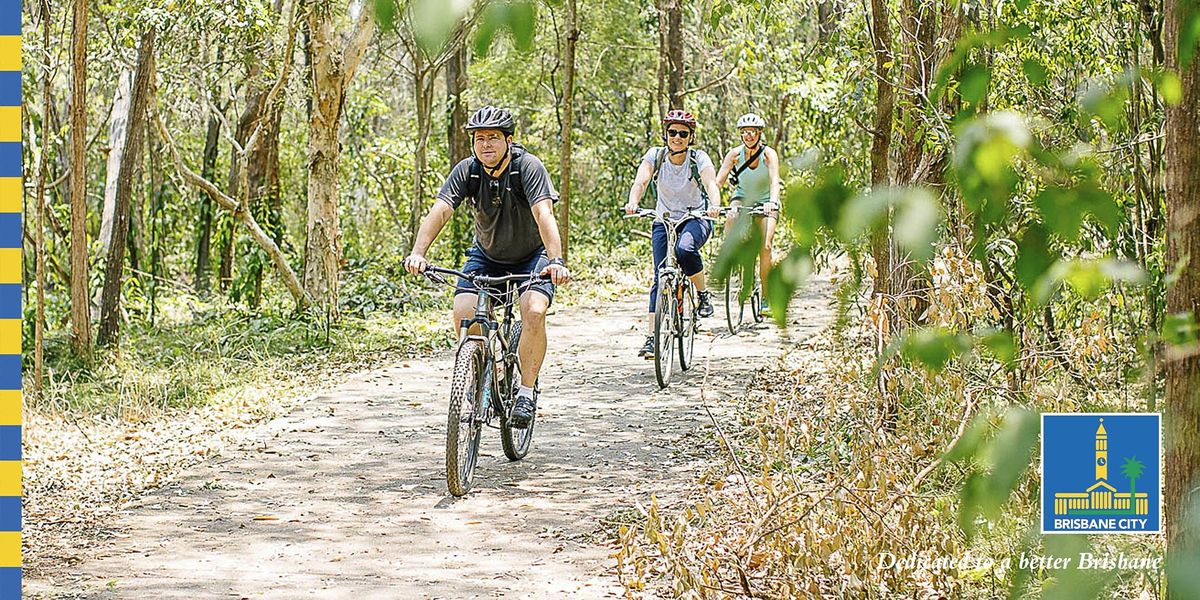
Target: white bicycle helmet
x=751 y=120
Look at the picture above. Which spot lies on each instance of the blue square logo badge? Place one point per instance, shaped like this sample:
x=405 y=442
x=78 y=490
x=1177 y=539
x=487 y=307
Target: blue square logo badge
x=1101 y=473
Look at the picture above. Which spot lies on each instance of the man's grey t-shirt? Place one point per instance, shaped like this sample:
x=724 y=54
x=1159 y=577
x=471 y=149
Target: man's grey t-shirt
x=504 y=226
x=677 y=191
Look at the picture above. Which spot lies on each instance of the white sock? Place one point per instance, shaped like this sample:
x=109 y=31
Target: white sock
x=525 y=391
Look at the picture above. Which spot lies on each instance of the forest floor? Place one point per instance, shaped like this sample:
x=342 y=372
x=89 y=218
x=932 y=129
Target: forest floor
x=345 y=495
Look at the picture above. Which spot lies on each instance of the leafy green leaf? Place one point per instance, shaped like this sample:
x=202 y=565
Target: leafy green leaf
x=740 y=249
x=783 y=280
x=434 y=20
x=1107 y=102
x=934 y=347
x=973 y=83
x=1088 y=277
x=1003 y=460
x=1034 y=255
x=918 y=222
x=1035 y=71
x=385 y=13
x=516 y=16
x=809 y=206
x=1000 y=344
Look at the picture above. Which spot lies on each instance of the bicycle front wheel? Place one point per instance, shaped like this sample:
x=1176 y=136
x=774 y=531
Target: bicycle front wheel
x=664 y=332
x=686 y=312
x=756 y=302
x=465 y=420
x=515 y=440
x=733 y=304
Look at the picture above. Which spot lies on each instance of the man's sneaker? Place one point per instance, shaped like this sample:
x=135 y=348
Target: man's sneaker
x=706 y=309
x=647 y=351
x=522 y=413
x=763 y=308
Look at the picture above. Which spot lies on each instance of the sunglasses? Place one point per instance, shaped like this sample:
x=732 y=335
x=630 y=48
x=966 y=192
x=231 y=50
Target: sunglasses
x=680 y=133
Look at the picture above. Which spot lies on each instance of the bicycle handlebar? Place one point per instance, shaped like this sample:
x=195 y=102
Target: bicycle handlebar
x=691 y=214
x=482 y=280
x=757 y=211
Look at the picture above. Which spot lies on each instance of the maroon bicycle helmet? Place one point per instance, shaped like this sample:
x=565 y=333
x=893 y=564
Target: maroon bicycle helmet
x=681 y=117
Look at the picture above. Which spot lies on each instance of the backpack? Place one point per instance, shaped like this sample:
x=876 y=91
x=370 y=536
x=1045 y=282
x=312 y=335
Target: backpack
x=693 y=174
x=512 y=181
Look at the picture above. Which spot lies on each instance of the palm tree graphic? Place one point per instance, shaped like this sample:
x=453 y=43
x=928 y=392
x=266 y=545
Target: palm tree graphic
x=1132 y=468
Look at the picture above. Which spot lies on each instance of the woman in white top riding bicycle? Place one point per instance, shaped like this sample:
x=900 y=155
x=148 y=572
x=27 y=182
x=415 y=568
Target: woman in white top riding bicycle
x=753 y=168
x=684 y=181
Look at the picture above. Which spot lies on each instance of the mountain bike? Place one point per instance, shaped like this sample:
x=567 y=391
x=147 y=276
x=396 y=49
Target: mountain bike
x=676 y=317
x=487 y=374
x=736 y=298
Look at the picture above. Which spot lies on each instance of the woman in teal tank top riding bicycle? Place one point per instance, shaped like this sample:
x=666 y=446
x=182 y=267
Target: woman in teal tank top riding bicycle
x=753 y=168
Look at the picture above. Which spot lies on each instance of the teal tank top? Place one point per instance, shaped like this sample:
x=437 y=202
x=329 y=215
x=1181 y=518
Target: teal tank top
x=754 y=184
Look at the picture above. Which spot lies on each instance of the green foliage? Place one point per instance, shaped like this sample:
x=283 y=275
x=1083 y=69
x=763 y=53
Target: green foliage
x=997 y=454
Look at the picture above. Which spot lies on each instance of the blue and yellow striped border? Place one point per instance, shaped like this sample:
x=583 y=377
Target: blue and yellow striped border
x=10 y=298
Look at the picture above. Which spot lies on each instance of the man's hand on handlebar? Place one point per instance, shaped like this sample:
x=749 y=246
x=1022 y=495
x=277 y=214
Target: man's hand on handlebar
x=631 y=208
x=415 y=264
x=559 y=274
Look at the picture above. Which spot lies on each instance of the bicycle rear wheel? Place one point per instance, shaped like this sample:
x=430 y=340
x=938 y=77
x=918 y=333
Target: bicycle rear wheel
x=465 y=420
x=733 y=305
x=686 y=312
x=515 y=440
x=664 y=334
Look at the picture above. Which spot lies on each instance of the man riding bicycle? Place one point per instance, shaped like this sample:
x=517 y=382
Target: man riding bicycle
x=683 y=180
x=515 y=232
x=753 y=168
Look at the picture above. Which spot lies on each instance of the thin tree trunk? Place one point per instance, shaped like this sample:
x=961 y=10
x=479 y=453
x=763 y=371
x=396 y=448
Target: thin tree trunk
x=333 y=66
x=828 y=12
x=228 y=250
x=456 y=135
x=675 y=53
x=39 y=252
x=1182 y=418
x=424 y=107
x=204 y=227
x=110 y=296
x=81 y=331
x=118 y=124
x=881 y=138
x=568 y=118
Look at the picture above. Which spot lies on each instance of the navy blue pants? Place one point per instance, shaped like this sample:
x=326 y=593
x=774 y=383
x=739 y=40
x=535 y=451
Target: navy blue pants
x=693 y=234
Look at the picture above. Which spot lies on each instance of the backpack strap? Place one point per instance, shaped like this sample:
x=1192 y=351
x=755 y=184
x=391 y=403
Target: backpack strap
x=513 y=180
x=474 y=179
x=745 y=165
x=695 y=175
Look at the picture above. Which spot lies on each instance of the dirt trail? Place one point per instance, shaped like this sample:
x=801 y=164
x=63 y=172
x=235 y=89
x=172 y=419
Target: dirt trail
x=345 y=497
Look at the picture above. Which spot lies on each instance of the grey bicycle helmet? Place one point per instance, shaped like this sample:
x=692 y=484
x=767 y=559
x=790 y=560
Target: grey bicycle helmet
x=751 y=120
x=490 y=117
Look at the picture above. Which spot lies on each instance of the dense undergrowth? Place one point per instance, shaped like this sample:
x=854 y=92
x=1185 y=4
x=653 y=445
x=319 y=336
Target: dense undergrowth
x=830 y=487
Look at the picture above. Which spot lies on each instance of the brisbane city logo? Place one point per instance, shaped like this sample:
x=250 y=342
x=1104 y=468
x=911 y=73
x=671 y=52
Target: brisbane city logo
x=1101 y=473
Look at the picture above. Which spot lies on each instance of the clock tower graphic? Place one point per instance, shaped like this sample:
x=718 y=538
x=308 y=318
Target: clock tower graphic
x=1101 y=498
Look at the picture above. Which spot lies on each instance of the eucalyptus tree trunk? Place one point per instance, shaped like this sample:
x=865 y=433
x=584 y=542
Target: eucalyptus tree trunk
x=39 y=320
x=881 y=137
x=458 y=142
x=110 y=296
x=204 y=227
x=118 y=124
x=568 y=116
x=81 y=331
x=1182 y=418
x=333 y=67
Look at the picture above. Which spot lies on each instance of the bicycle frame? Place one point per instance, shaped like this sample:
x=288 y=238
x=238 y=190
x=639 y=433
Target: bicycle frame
x=491 y=332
